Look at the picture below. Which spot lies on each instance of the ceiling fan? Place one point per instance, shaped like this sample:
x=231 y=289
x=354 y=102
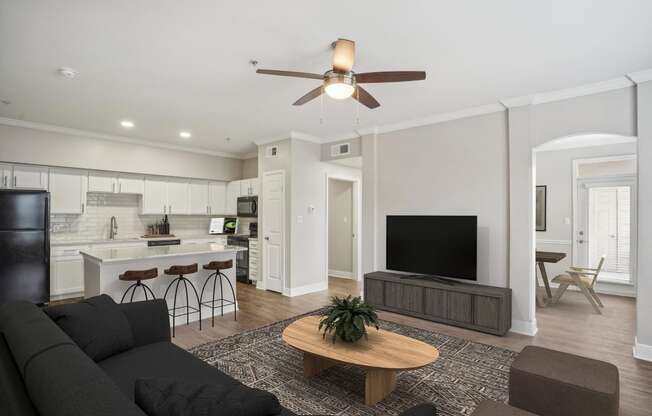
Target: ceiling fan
x=341 y=82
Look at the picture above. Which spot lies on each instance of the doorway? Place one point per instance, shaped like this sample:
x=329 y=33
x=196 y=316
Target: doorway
x=274 y=230
x=342 y=227
x=605 y=212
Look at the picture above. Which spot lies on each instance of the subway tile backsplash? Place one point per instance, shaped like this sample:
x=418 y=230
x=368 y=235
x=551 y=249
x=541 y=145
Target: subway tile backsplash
x=94 y=224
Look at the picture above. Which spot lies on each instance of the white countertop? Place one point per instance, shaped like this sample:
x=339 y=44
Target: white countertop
x=114 y=255
x=80 y=242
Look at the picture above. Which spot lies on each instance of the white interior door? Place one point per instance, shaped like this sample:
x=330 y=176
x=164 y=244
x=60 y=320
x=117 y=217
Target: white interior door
x=274 y=230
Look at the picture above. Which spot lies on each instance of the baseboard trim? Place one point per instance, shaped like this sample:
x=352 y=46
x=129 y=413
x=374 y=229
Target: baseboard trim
x=340 y=273
x=642 y=351
x=528 y=328
x=304 y=290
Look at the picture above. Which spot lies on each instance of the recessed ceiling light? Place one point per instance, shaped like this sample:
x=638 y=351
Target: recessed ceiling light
x=67 y=72
x=127 y=124
x=185 y=134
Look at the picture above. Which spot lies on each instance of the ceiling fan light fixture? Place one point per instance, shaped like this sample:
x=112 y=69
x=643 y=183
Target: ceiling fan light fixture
x=339 y=91
x=339 y=86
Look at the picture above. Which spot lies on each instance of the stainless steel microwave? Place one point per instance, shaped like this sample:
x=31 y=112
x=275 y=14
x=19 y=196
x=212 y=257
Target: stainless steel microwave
x=248 y=206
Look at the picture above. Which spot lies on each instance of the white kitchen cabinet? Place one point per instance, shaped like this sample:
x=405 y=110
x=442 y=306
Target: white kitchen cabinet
x=66 y=272
x=199 y=198
x=30 y=177
x=5 y=176
x=217 y=198
x=178 y=196
x=249 y=187
x=232 y=194
x=68 y=191
x=102 y=182
x=155 y=196
x=131 y=184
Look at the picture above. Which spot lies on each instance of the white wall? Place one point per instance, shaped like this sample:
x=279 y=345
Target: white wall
x=643 y=347
x=555 y=170
x=25 y=145
x=308 y=227
x=453 y=168
x=340 y=226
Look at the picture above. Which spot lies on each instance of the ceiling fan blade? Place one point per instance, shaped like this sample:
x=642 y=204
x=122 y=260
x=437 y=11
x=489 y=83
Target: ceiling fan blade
x=389 y=76
x=365 y=98
x=343 y=55
x=289 y=73
x=310 y=96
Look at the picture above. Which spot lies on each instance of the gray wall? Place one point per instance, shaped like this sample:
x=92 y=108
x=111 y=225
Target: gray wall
x=250 y=168
x=453 y=168
x=24 y=145
x=340 y=225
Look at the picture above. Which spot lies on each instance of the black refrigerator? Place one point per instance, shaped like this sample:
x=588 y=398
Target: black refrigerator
x=24 y=246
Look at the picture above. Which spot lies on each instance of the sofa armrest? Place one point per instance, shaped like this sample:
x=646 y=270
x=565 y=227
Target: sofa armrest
x=149 y=321
x=424 y=409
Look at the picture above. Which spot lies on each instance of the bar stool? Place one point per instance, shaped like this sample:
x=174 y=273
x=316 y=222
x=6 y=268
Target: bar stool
x=218 y=266
x=138 y=276
x=180 y=271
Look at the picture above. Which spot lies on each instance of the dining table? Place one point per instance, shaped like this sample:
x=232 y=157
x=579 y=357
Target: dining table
x=543 y=257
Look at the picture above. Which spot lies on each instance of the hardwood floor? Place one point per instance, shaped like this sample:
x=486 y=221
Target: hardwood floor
x=569 y=326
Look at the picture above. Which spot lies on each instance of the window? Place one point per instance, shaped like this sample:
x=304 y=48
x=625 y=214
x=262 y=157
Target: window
x=609 y=228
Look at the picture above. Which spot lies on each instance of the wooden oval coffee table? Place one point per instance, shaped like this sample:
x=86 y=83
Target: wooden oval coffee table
x=382 y=355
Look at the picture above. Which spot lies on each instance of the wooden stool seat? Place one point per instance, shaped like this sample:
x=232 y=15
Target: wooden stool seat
x=133 y=275
x=219 y=265
x=180 y=270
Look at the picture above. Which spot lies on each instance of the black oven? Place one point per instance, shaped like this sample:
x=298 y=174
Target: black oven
x=248 y=206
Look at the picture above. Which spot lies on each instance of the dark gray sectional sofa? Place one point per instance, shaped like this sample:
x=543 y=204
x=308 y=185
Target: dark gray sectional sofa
x=44 y=372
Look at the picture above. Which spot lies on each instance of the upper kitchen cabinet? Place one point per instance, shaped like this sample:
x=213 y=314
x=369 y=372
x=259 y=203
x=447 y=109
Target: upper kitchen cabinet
x=199 y=198
x=217 y=198
x=253 y=186
x=5 y=176
x=232 y=194
x=155 y=196
x=30 y=177
x=102 y=182
x=68 y=191
x=131 y=184
x=178 y=196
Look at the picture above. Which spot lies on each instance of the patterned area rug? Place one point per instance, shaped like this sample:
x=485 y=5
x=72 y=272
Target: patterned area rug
x=465 y=374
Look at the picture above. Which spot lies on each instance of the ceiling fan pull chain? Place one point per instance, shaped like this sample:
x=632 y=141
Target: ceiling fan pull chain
x=357 y=107
x=321 y=107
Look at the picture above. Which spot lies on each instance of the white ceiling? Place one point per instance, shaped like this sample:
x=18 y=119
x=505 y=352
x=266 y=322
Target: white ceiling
x=172 y=65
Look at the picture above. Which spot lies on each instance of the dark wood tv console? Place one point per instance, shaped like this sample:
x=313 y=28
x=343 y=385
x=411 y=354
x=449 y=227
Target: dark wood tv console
x=479 y=307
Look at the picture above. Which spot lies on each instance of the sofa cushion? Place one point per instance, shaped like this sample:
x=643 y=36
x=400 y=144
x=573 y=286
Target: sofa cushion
x=13 y=396
x=170 y=397
x=21 y=322
x=160 y=360
x=97 y=325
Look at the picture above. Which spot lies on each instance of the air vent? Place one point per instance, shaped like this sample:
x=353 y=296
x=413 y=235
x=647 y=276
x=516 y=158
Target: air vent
x=341 y=149
x=271 y=151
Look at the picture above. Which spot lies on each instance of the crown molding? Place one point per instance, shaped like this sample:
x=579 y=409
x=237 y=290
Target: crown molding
x=517 y=101
x=273 y=139
x=250 y=155
x=305 y=137
x=640 y=77
x=109 y=137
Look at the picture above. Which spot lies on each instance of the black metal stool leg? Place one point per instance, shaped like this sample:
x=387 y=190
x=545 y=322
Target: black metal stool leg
x=147 y=288
x=221 y=295
x=213 y=300
x=198 y=302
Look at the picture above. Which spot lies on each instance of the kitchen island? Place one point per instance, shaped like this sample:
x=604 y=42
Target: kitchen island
x=103 y=266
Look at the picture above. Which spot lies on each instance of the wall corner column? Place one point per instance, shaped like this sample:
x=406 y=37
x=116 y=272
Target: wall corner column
x=521 y=218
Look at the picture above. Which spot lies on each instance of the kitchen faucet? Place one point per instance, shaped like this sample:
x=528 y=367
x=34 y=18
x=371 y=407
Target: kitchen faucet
x=114 y=228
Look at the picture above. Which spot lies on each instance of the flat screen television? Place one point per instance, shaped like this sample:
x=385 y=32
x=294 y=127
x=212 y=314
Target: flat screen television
x=438 y=245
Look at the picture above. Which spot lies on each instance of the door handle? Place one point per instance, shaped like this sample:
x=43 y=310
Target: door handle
x=82 y=207
x=267 y=238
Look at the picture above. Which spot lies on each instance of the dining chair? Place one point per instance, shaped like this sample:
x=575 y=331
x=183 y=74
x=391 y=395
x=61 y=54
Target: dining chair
x=584 y=279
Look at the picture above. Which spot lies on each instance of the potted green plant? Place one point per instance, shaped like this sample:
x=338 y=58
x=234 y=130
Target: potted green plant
x=348 y=318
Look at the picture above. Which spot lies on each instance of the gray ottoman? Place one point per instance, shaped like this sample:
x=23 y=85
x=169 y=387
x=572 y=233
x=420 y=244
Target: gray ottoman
x=490 y=408
x=553 y=383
